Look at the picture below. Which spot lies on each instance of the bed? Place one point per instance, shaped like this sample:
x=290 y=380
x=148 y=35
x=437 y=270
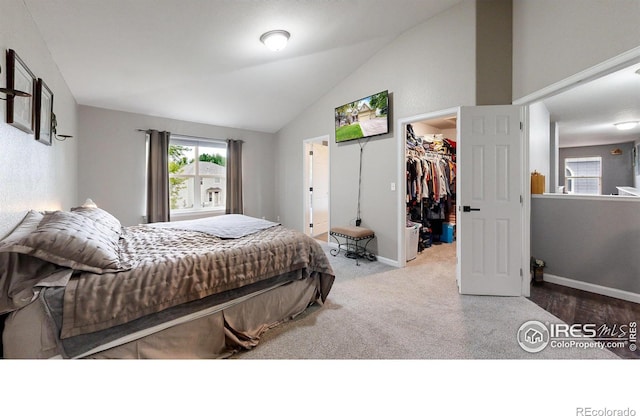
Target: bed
x=76 y=284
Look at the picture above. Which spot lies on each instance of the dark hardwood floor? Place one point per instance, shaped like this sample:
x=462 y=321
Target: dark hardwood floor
x=579 y=307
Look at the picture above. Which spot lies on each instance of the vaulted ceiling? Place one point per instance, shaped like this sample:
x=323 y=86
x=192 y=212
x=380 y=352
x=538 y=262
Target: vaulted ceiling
x=587 y=112
x=202 y=60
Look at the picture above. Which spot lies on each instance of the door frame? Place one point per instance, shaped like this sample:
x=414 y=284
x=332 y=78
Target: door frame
x=305 y=188
x=603 y=68
x=402 y=173
x=599 y=70
x=526 y=191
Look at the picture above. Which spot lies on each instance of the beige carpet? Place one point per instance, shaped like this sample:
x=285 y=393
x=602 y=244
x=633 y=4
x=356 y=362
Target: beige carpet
x=375 y=311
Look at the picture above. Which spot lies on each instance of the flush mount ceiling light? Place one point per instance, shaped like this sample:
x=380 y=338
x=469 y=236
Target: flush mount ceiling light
x=275 y=40
x=627 y=125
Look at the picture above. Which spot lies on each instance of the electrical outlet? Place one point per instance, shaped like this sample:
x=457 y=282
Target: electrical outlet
x=393 y=186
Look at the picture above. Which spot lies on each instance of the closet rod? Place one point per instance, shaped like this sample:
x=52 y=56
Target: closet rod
x=428 y=153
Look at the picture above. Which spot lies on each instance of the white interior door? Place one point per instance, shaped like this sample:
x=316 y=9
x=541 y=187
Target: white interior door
x=489 y=201
x=320 y=184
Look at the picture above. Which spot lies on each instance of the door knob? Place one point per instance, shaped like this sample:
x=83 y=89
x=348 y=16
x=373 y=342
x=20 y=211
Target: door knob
x=467 y=208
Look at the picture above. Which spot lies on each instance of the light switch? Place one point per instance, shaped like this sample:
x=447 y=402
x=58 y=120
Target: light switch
x=393 y=186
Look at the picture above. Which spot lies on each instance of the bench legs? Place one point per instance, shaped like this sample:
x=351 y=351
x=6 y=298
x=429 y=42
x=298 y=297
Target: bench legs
x=354 y=248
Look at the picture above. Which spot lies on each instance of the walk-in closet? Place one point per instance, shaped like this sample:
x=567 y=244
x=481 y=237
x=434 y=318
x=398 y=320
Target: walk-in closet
x=431 y=174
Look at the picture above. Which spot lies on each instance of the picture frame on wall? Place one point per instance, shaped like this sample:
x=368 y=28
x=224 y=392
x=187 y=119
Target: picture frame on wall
x=20 y=112
x=44 y=113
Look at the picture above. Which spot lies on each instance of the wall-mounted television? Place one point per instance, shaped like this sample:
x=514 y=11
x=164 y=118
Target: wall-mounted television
x=363 y=118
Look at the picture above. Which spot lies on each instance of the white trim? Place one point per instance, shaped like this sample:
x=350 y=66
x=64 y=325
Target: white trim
x=401 y=187
x=304 y=186
x=593 y=288
x=616 y=63
x=387 y=261
x=526 y=202
x=617 y=198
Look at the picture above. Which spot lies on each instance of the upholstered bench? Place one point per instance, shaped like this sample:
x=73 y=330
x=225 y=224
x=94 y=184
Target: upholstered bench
x=355 y=241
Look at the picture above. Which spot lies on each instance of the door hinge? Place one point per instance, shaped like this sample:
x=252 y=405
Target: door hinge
x=311 y=189
x=521 y=200
x=521 y=125
x=311 y=226
x=521 y=272
x=311 y=151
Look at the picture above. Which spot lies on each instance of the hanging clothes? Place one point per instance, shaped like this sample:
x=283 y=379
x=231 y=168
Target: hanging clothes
x=431 y=179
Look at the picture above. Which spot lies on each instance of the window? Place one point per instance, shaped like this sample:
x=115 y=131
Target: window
x=583 y=175
x=197 y=174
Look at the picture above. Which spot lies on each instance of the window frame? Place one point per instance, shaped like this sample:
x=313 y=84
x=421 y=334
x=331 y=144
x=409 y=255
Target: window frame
x=197 y=143
x=568 y=178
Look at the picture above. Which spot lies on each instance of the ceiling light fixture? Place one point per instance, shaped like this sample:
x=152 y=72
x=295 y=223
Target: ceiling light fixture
x=627 y=125
x=276 y=40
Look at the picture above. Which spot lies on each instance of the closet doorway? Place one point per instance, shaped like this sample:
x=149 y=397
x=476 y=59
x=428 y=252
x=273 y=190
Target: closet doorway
x=316 y=187
x=430 y=191
x=490 y=192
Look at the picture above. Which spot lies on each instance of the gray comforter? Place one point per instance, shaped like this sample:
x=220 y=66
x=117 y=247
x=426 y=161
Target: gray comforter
x=173 y=266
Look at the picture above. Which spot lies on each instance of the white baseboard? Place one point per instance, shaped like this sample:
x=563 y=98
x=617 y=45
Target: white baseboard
x=590 y=287
x=388 y=262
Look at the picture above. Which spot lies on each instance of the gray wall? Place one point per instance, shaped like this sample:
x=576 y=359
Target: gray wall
x=112 y=161
x=494 y=52
x=428 y=68
x=593 y=241
x=32 y=175
x=617 y=170
x=434 y=67
x=554 y=40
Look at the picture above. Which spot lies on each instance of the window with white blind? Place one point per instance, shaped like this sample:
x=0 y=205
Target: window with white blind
x=197 y=174
x=583 y=175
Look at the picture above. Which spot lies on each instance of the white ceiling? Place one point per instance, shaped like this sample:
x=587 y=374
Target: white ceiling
x=586 y=113
x=202 y=61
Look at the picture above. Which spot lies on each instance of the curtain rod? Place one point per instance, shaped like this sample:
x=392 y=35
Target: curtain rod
x=186 y=136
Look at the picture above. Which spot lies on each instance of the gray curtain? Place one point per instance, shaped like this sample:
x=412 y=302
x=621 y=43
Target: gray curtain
x=158 y=176
x=234 y=177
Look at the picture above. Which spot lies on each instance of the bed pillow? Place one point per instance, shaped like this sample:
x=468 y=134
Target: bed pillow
x=100 y=216
x=69 y=240
x=28 y=224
